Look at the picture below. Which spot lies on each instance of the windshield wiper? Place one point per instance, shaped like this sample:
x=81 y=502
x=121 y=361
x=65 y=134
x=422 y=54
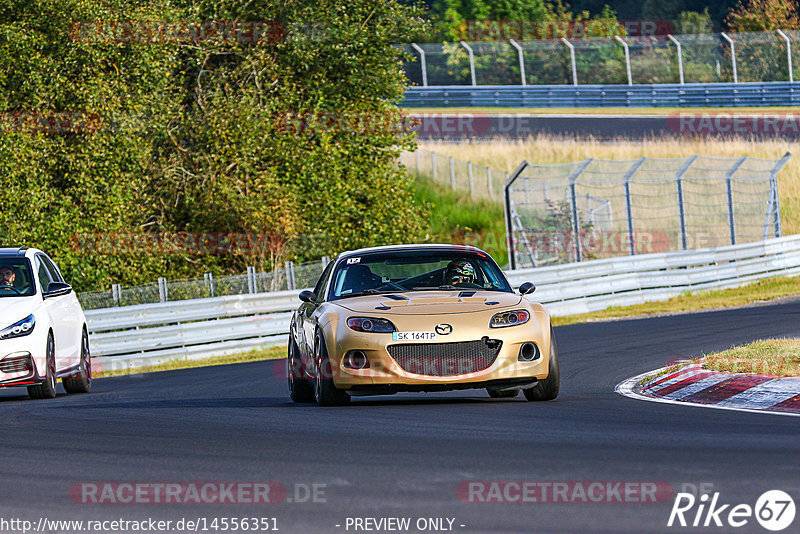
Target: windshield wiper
x=429 y=288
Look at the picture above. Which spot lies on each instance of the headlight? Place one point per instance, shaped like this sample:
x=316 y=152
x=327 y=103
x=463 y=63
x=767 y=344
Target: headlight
x=19 y=329
x=368 y=324
x=509 y=318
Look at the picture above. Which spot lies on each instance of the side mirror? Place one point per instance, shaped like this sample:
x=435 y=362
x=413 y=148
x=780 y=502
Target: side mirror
x=56 y=289
x=308 y=296
x=526 y=288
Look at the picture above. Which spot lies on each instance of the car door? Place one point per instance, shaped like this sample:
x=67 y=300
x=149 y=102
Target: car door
x=55 y=308
x=71 y=315
x=306 y=314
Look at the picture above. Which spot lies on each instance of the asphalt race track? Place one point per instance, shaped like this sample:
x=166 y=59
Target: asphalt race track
x=405 y=456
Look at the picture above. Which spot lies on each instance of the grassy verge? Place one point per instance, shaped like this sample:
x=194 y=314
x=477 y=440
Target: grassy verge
x=607 y=111
x=457 y=218
x=271 y=353
x=505 y=155
x=779 y=357
x=763 y=290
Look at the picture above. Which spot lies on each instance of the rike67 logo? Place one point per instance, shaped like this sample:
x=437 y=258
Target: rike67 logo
x=774 y=510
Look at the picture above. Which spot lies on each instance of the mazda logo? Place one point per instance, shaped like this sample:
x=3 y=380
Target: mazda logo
x=443 y=329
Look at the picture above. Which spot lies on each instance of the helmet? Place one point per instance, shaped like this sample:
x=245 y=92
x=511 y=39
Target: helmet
x=459 y=271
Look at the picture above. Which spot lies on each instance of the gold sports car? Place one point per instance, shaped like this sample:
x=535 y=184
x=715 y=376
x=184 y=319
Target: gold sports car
x=419 y=318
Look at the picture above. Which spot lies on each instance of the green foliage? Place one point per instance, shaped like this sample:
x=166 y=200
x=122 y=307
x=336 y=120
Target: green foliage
x=691 y=22
x=194 y=137
x=763 y=15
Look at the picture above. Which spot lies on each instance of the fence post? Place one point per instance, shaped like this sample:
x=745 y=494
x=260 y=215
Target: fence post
x=680 y=56
x=572 y=60
x=290 y=275
x=421 y=53
x=627 y=57
x=733 y=55
x=251 y=280
x=452 y=174
x=681 y=211
x=788 y=54
x=576 y=227
x=489 y=181
x=416 y=159
x=512 y=257
x=162 y=290
x=208 y=278
x=469 y=172
x=433 y=163
x=628 y=208
x=325 y=261
x=520 y=53
x=774 y=207
x=729 y=188
x=116 y=293
x=471 y=61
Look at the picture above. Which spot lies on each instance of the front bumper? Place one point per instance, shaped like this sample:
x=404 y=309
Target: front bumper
x=385 y=373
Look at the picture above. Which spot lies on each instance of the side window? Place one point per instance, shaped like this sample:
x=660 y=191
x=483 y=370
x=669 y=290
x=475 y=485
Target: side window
x=43 y=274
x=51 y=267
x=322 y=282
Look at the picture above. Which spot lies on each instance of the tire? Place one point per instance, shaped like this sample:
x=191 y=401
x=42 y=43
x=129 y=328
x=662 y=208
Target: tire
x=325 y=392
x=299 y=388
x=47 y=389
x=547 y=389
x=508 y=394
x=81 y=382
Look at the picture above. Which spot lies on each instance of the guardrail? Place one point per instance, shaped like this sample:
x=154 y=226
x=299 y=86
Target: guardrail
x=153 y=333
x=655 y=95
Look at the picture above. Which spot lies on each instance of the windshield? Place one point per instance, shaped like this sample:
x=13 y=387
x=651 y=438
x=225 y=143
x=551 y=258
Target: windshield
x=15 y=278
x=416 y=270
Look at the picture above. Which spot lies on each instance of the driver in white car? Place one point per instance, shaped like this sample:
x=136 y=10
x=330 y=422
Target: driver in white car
x=7 y=276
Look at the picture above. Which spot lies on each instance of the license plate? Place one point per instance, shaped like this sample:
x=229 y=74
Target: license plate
x=413 y=336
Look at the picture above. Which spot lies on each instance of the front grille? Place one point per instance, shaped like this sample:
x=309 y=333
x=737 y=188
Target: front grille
x=15 y=364
x=445 y=359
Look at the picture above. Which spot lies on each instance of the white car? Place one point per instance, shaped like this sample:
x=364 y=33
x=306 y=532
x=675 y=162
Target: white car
x=43 y=333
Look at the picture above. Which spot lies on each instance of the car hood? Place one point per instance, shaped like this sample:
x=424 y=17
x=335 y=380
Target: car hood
x=12 y=309
x=430 y=302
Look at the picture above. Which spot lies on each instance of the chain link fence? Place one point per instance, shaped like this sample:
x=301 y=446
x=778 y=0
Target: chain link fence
x=701 y=58
x=480 y=181
x=292 y=276
x=595 y=208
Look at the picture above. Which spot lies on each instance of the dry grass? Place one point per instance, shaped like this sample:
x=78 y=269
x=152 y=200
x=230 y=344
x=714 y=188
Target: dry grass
x=763 y=290
x=778 y=357
x=505 y=155
x=271 y=353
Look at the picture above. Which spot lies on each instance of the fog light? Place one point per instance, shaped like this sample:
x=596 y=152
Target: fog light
x=528 y=352
x=356 y=359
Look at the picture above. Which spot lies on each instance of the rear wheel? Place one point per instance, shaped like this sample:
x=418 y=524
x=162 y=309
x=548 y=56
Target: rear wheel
x=47 y=389
x=325 y=392
x=81 y=382
x=547 y=389
x=299 y=388
x=507 y=394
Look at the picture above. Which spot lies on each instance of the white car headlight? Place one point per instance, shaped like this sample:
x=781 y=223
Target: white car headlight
x=19 y=329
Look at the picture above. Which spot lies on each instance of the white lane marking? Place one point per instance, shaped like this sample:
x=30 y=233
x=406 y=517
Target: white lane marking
x=627 y=388
x=700 y=385
x=765 y=394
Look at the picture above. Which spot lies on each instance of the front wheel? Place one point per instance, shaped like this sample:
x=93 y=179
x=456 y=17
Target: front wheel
x=81 y=382
x=547 y=389
x=325 y=392
x=47 y=389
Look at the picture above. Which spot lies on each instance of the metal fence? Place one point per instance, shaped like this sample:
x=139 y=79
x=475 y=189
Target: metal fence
x=702 y=58
x=596 y=208
x=291 y=276
x=480 y=181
